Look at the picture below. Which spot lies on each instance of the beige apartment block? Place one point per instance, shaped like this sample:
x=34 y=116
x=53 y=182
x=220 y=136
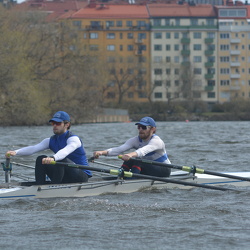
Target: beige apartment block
x=233 y=53
x=183 y=52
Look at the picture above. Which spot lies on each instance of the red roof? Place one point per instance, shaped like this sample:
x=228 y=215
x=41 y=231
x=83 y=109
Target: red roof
x=184 y=10
x=112 y=11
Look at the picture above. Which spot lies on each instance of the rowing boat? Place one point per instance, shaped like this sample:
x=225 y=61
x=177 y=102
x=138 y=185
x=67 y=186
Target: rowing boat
x=106 y=185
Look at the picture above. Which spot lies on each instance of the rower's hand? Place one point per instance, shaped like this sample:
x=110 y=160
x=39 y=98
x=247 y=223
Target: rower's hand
x=10 y=153
x=99 y=153
x=48 y=160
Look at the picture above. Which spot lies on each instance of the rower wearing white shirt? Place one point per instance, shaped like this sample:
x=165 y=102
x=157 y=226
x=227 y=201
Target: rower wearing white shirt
x=66 y=147
x=147 y=145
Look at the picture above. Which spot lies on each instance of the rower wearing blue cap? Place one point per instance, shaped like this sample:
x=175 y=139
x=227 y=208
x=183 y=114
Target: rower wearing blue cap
x=147 y=145
x=66 y=147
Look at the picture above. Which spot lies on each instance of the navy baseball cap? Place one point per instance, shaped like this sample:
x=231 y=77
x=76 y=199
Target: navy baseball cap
x=147 y=121
x=60 y=116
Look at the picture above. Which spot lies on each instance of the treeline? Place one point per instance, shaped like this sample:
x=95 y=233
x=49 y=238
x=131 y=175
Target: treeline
x=41 y=73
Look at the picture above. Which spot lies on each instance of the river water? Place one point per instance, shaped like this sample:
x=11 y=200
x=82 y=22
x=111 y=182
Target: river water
x=163 y=219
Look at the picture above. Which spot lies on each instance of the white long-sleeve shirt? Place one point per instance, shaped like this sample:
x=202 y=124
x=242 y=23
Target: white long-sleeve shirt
x=153 y=149
x=73 y=143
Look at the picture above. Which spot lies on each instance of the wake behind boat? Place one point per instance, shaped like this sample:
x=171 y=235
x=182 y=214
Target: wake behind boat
x=103 y=185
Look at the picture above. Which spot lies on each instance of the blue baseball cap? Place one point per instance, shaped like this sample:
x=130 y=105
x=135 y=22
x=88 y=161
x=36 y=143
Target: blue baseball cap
x=60 y=116
x=147 y=121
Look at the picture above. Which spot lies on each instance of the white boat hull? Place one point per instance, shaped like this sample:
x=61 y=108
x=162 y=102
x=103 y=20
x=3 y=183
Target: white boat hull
x=94 y=188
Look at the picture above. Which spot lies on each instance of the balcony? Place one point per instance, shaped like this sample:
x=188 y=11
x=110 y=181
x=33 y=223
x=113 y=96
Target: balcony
x=209 y=40
x=235 y=52
x=235 y=40
x=209 y=52
x=209 y=88
x=234 y=87
x=185 y=40
x=235 y=76
x=185 y=64
x=185 y=52
x=209 y=76
x=94 y=27
x=209 y=64
x=235 y=64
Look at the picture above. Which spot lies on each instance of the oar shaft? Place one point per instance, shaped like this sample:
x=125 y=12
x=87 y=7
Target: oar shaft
x=149 y=177
x=192 y=169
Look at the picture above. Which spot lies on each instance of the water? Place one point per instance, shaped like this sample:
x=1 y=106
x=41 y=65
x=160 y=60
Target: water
x=159 y=219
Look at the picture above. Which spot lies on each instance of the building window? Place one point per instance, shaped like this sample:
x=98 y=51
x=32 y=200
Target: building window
x=197 y=46
x=168 y=35
x=111 y=47
x=157 y=22
x=197 y=71
x=210 y=22
x=158 y=83
x=224 y=47
x=224 y=36
x=225 y=71
x=129 y=23
x=130 y=47
x=93 y=35
x=111 y=36
x=197 y=35
x=157 y=35
x=168 y=47
x=158 y=71
x=119 y=23
x=130 y=35
x=77 y=23
x=168 y=71
x=210 y=35
x=110 y=24
x=157 y=59
x=141 y=23
x=142 y=36
x=168 y=59
x=194 y=22
x=211 y=95
x=197 y=59
x=158 y=95
x=157 y=47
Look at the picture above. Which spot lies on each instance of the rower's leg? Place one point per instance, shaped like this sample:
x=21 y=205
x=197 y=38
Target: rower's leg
x=40 y=173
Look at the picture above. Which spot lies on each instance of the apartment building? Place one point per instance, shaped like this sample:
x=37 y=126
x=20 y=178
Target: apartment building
x=234 y=52
x=119 y=34
x=183 y=52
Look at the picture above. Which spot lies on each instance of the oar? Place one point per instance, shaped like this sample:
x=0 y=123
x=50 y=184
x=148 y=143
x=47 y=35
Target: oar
x=149 y=177
x=190 y=169
x=23 y=165
x=92 y=159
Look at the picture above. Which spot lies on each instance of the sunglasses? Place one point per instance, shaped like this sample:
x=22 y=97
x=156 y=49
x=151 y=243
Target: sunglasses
x=143 y=127
x=56 y=123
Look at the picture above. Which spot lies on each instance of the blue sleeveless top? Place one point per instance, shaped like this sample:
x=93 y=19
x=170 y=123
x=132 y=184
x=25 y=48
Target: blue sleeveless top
x=78 y=156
